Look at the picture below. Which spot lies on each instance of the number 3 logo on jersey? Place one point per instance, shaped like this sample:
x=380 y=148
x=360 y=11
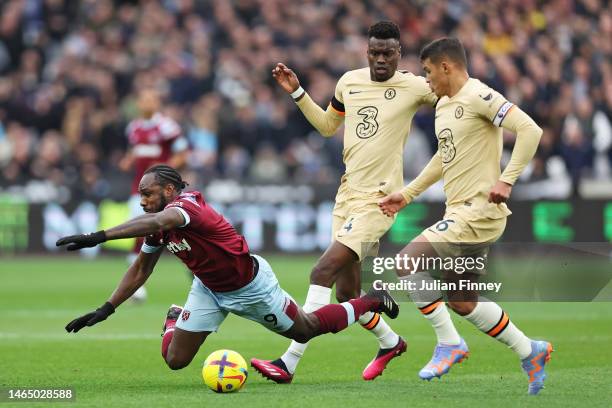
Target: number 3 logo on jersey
x=446 y=146
x=368 y=125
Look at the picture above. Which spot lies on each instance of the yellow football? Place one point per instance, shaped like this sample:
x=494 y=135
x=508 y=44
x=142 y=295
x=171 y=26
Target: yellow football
x=225 y=371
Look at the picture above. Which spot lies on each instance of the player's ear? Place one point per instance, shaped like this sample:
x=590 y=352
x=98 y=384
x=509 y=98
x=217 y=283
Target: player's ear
x=445 y=66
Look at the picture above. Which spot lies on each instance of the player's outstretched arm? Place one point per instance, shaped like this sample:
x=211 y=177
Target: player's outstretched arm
x=137 y=227
x=147 y=224
x=528 y=135
x=325 y=121
x=393 y=203
x=136 y=275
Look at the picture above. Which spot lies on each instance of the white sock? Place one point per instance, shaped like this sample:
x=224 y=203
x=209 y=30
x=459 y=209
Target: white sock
x=317 y=297
x=491 y=319
x=375 y=324
x=443 y=325
x=432 y=307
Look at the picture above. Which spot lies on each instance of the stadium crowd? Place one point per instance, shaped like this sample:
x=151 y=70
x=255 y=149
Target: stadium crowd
x=70 y=71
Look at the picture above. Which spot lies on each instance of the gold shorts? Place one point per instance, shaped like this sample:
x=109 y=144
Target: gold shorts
x=466 y=231
x=358 y=222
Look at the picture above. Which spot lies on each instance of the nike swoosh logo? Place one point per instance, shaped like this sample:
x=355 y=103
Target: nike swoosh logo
x=351 y=92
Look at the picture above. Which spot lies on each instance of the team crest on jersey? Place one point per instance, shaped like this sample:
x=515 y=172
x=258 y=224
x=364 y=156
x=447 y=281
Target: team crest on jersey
x=459 y=112
x=446 y=145
x=390 y=93
x=185 y=315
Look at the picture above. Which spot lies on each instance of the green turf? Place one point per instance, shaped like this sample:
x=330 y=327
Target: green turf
x=118 y=364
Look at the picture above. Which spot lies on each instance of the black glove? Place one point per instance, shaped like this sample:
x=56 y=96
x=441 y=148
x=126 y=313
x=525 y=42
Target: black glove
x=100 y=314
x=76 y=242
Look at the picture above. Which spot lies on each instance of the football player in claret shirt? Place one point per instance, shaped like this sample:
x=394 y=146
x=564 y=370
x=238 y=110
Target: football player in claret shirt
x=376 y=105
x=153 y=138
x=227 y=277
x=469 y=118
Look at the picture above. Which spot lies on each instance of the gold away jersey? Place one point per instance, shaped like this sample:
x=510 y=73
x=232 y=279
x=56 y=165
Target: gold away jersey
x=468 y=128
x=377 y=120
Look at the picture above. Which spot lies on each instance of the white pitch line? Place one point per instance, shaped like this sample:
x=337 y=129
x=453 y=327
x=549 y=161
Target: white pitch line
x=40 y=313
x=78 y=336
x=65 y=312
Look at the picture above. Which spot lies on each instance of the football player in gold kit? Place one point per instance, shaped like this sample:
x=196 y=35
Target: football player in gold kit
x=376 y=105
x=469 y=118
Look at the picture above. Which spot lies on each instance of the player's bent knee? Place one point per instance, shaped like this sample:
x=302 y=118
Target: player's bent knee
x=418 y=247
x=176 y=363
x=404 y=268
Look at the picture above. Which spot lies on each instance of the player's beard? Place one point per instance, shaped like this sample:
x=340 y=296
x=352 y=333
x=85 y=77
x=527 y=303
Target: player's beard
x=163 y=202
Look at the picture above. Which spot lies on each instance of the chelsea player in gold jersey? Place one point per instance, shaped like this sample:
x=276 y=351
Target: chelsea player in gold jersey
x=469 y=118
x=376 y=105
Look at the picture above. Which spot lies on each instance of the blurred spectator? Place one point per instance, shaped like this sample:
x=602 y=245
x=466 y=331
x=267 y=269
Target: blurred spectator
x=202 y=133
x=267 y=166
x=71 y=71
x=20 y=146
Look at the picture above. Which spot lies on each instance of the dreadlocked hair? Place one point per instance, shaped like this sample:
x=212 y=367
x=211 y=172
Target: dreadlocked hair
x=166 y=174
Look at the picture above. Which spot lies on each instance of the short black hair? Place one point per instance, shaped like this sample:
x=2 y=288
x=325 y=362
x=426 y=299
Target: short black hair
x=167 y=175
x=444 y=47
x=384 y=30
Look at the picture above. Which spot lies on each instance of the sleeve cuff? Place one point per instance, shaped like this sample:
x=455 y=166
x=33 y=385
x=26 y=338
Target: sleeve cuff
x=406 y=196
x=185 y=217
x=507 y=180
x=149 y=249
x=301 y=100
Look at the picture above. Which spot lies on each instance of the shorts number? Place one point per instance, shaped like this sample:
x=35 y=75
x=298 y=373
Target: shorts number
x=368 y=125
x=271 y=318
x=443 y=225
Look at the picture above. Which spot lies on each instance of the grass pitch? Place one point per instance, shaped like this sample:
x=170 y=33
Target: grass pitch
x=117 y=363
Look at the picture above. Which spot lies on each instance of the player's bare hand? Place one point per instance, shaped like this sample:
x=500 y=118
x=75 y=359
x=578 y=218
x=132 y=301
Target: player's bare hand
x=500 y=192
x=286 y=78
x=392 y=204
